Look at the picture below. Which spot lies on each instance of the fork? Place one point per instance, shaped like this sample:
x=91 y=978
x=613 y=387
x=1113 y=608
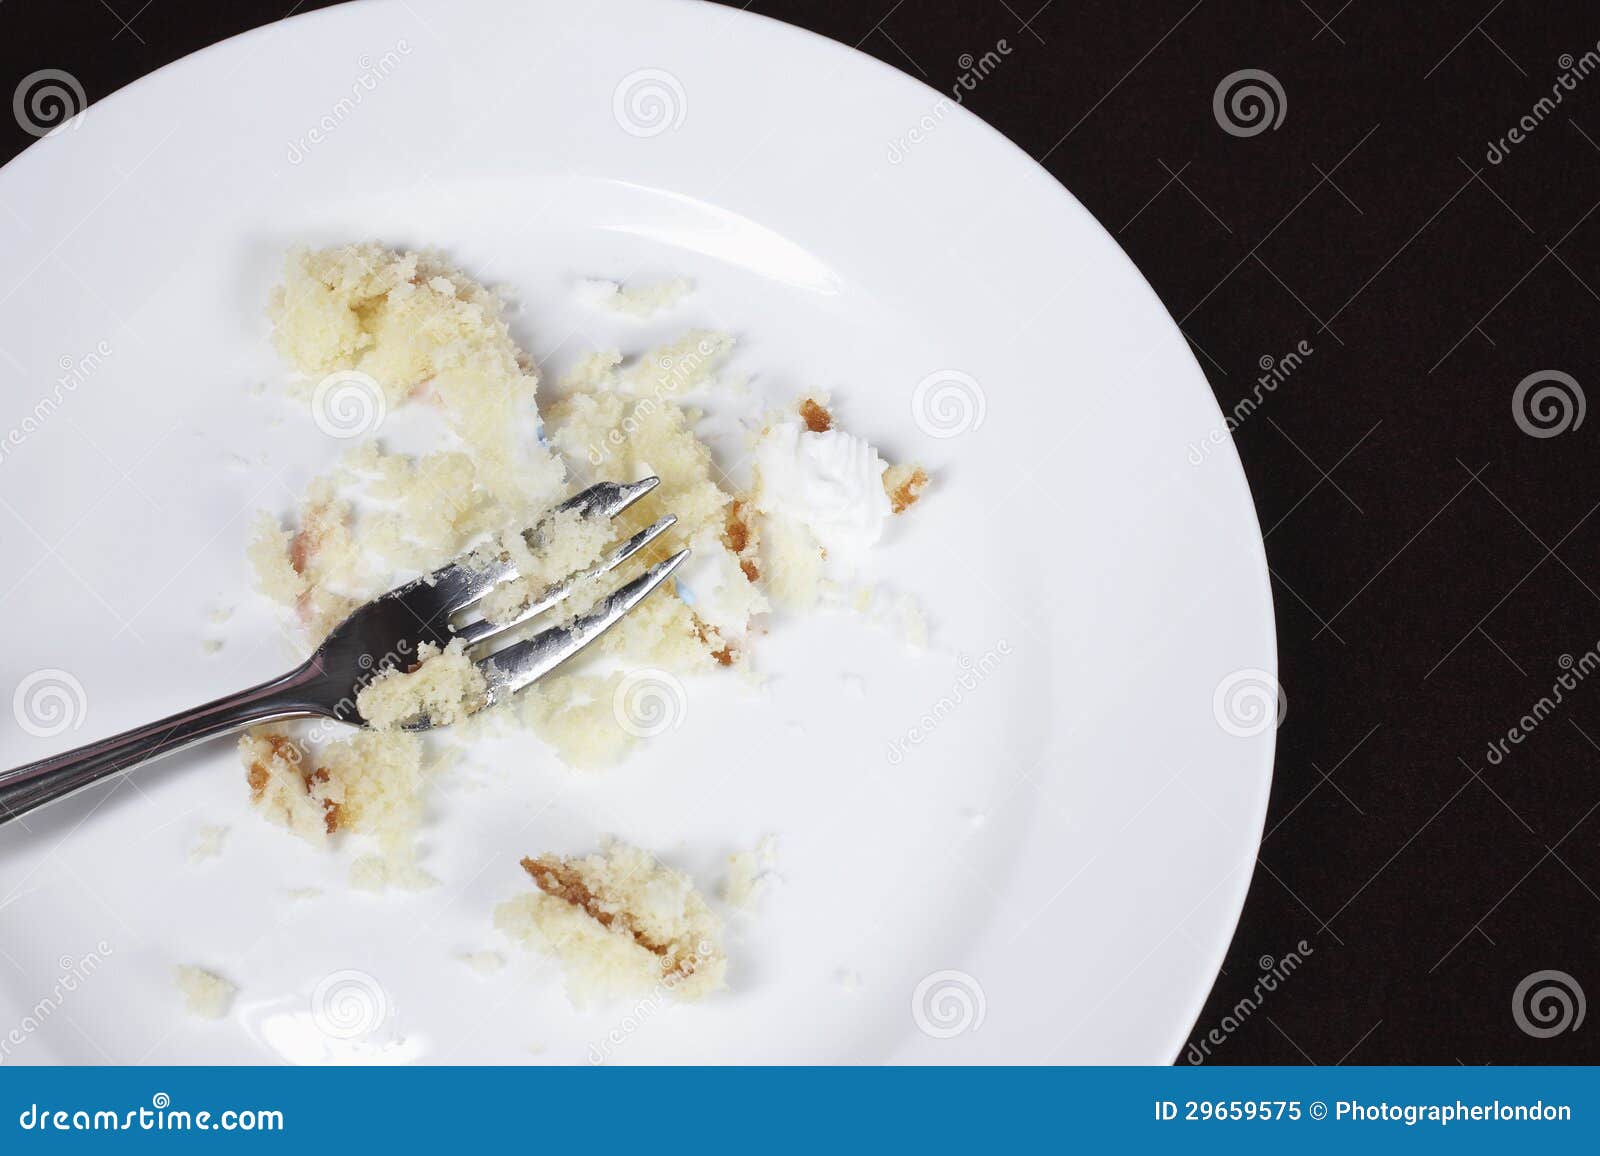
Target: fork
x=367 y=642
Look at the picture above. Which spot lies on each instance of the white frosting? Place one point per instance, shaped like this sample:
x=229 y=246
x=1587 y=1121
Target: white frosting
x=712 y=584
x=831 y=482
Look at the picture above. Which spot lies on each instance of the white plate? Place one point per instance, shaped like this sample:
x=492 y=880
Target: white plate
x=1075 y=838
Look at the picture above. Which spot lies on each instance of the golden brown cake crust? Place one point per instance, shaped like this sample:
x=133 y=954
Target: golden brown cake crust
x=560 y=880
x=738 y=537
x=282 y=750
x=905 y=485
x=815 y=415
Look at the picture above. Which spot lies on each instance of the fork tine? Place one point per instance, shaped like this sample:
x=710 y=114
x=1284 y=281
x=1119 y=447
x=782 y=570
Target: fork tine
x=456 y=587
x=482 y=630
x=514 y=667
x=610 y=498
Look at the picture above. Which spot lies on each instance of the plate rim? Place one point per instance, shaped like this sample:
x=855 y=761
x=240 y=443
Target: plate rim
x=847 y=56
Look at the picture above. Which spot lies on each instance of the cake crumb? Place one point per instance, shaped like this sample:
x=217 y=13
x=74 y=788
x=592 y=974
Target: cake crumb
x=621 y=923
x=206 y=995
x=270 y=555
x=739 y=536
x=563 y=544
x=484 y=962
x=639 y=301
x=444 y=686
x=904 y=485
x=751 y=874
x=281 y=786
x=210 y=645
x=208 y=843
x=579 y=715
x=369 y=784
x=815 y=415
x=412 y=326
x=847 y=979
x=379 y=873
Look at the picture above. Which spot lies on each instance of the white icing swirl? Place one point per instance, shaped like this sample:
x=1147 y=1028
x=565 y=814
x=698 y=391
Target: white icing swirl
x=832 y=482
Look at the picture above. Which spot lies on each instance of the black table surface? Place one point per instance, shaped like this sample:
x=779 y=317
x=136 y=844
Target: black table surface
x=1423 y=217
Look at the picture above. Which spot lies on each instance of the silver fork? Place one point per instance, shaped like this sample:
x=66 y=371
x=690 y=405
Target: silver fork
x=375 y=636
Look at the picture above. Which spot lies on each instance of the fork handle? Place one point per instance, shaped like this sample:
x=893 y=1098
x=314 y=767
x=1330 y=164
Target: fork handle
x=24 y=788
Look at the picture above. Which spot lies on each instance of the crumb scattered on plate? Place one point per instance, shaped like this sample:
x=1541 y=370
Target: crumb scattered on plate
x=751 y=874
x=368 y=330
x=636 y=300
x=445 y=686
x=484 y=962
x=206 y=995
x=378 y=873
x=369 y=785
x=208 y=843
x=621 y=923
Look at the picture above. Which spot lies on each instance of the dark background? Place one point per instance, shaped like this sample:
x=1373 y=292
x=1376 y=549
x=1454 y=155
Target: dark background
x=1432 y=562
